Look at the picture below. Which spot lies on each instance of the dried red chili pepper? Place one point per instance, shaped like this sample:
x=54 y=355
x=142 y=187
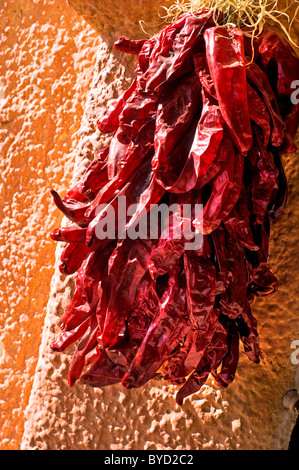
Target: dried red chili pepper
x=258 y=78
x=128 y=264
x=203 y=151
x=70 y=234
x=130 y=46
x=281 y=64
x=175 y=113
x=164 y=333
x=72 y=257
x=200 y=275
x=86 y=298
x=94 y=178
x=230 y=360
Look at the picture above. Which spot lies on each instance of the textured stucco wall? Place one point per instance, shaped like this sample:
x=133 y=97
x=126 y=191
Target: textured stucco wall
x=47 y=55
x=57 y=136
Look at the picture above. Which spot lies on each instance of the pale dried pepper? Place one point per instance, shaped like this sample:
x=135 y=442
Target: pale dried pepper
x=200 y=122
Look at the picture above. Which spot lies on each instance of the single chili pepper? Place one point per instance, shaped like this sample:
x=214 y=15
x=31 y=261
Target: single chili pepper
x=72 y=209
x=70 y=234
x=200 y=275
x=175 y=370
x=192 y=385
x=85 y=345
x=258 y=113
x=264 y=177
x=226 y=60
x=234 y=300
x=202 y=71
x=280 y=196
x=110 y=121
x=230 y=361
x=218 y=237
x=210 y=361
x=140 y=107
x=149 y=198
x=145 y=306
x=127 y=266
x=130 y=46
x=217 y=163
x=264 y=281
x=203 y=151
x=105 y=371
x=175 y=113
x=79 y=310
x=238 y=223
x=145 y=55
x=291 y=123
x=248 y=331
x=164 y=333
x=76 y=194
x=176 y=160
x=185 y=360
x=72 y=257
x=69 y=337
x=96 y=175
x=170 y=246
x=93 y=179
x=259 y=80
x=123 y=163
x=225 y=191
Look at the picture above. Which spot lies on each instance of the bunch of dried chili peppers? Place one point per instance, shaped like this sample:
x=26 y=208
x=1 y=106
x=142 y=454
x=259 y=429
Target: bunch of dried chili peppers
x=205 y=120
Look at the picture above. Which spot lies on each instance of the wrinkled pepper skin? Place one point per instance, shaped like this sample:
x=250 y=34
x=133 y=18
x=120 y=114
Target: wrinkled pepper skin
x=166 y=330
x=281 y=64
x=204 y=122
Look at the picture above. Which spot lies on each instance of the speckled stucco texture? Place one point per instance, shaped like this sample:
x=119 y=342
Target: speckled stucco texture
x=48 y=135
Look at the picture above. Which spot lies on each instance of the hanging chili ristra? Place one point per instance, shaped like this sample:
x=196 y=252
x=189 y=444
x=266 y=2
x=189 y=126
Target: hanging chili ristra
x=203 y=121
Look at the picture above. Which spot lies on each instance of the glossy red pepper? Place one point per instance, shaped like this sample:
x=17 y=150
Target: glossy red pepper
x=127 y=266
x=225 y=190
x=226 y=60
x=203 y=151
x=258 y=79
x=200 y=275
x=164 y=333
x=130 y=46
x=204 y=123
x=281 y=64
